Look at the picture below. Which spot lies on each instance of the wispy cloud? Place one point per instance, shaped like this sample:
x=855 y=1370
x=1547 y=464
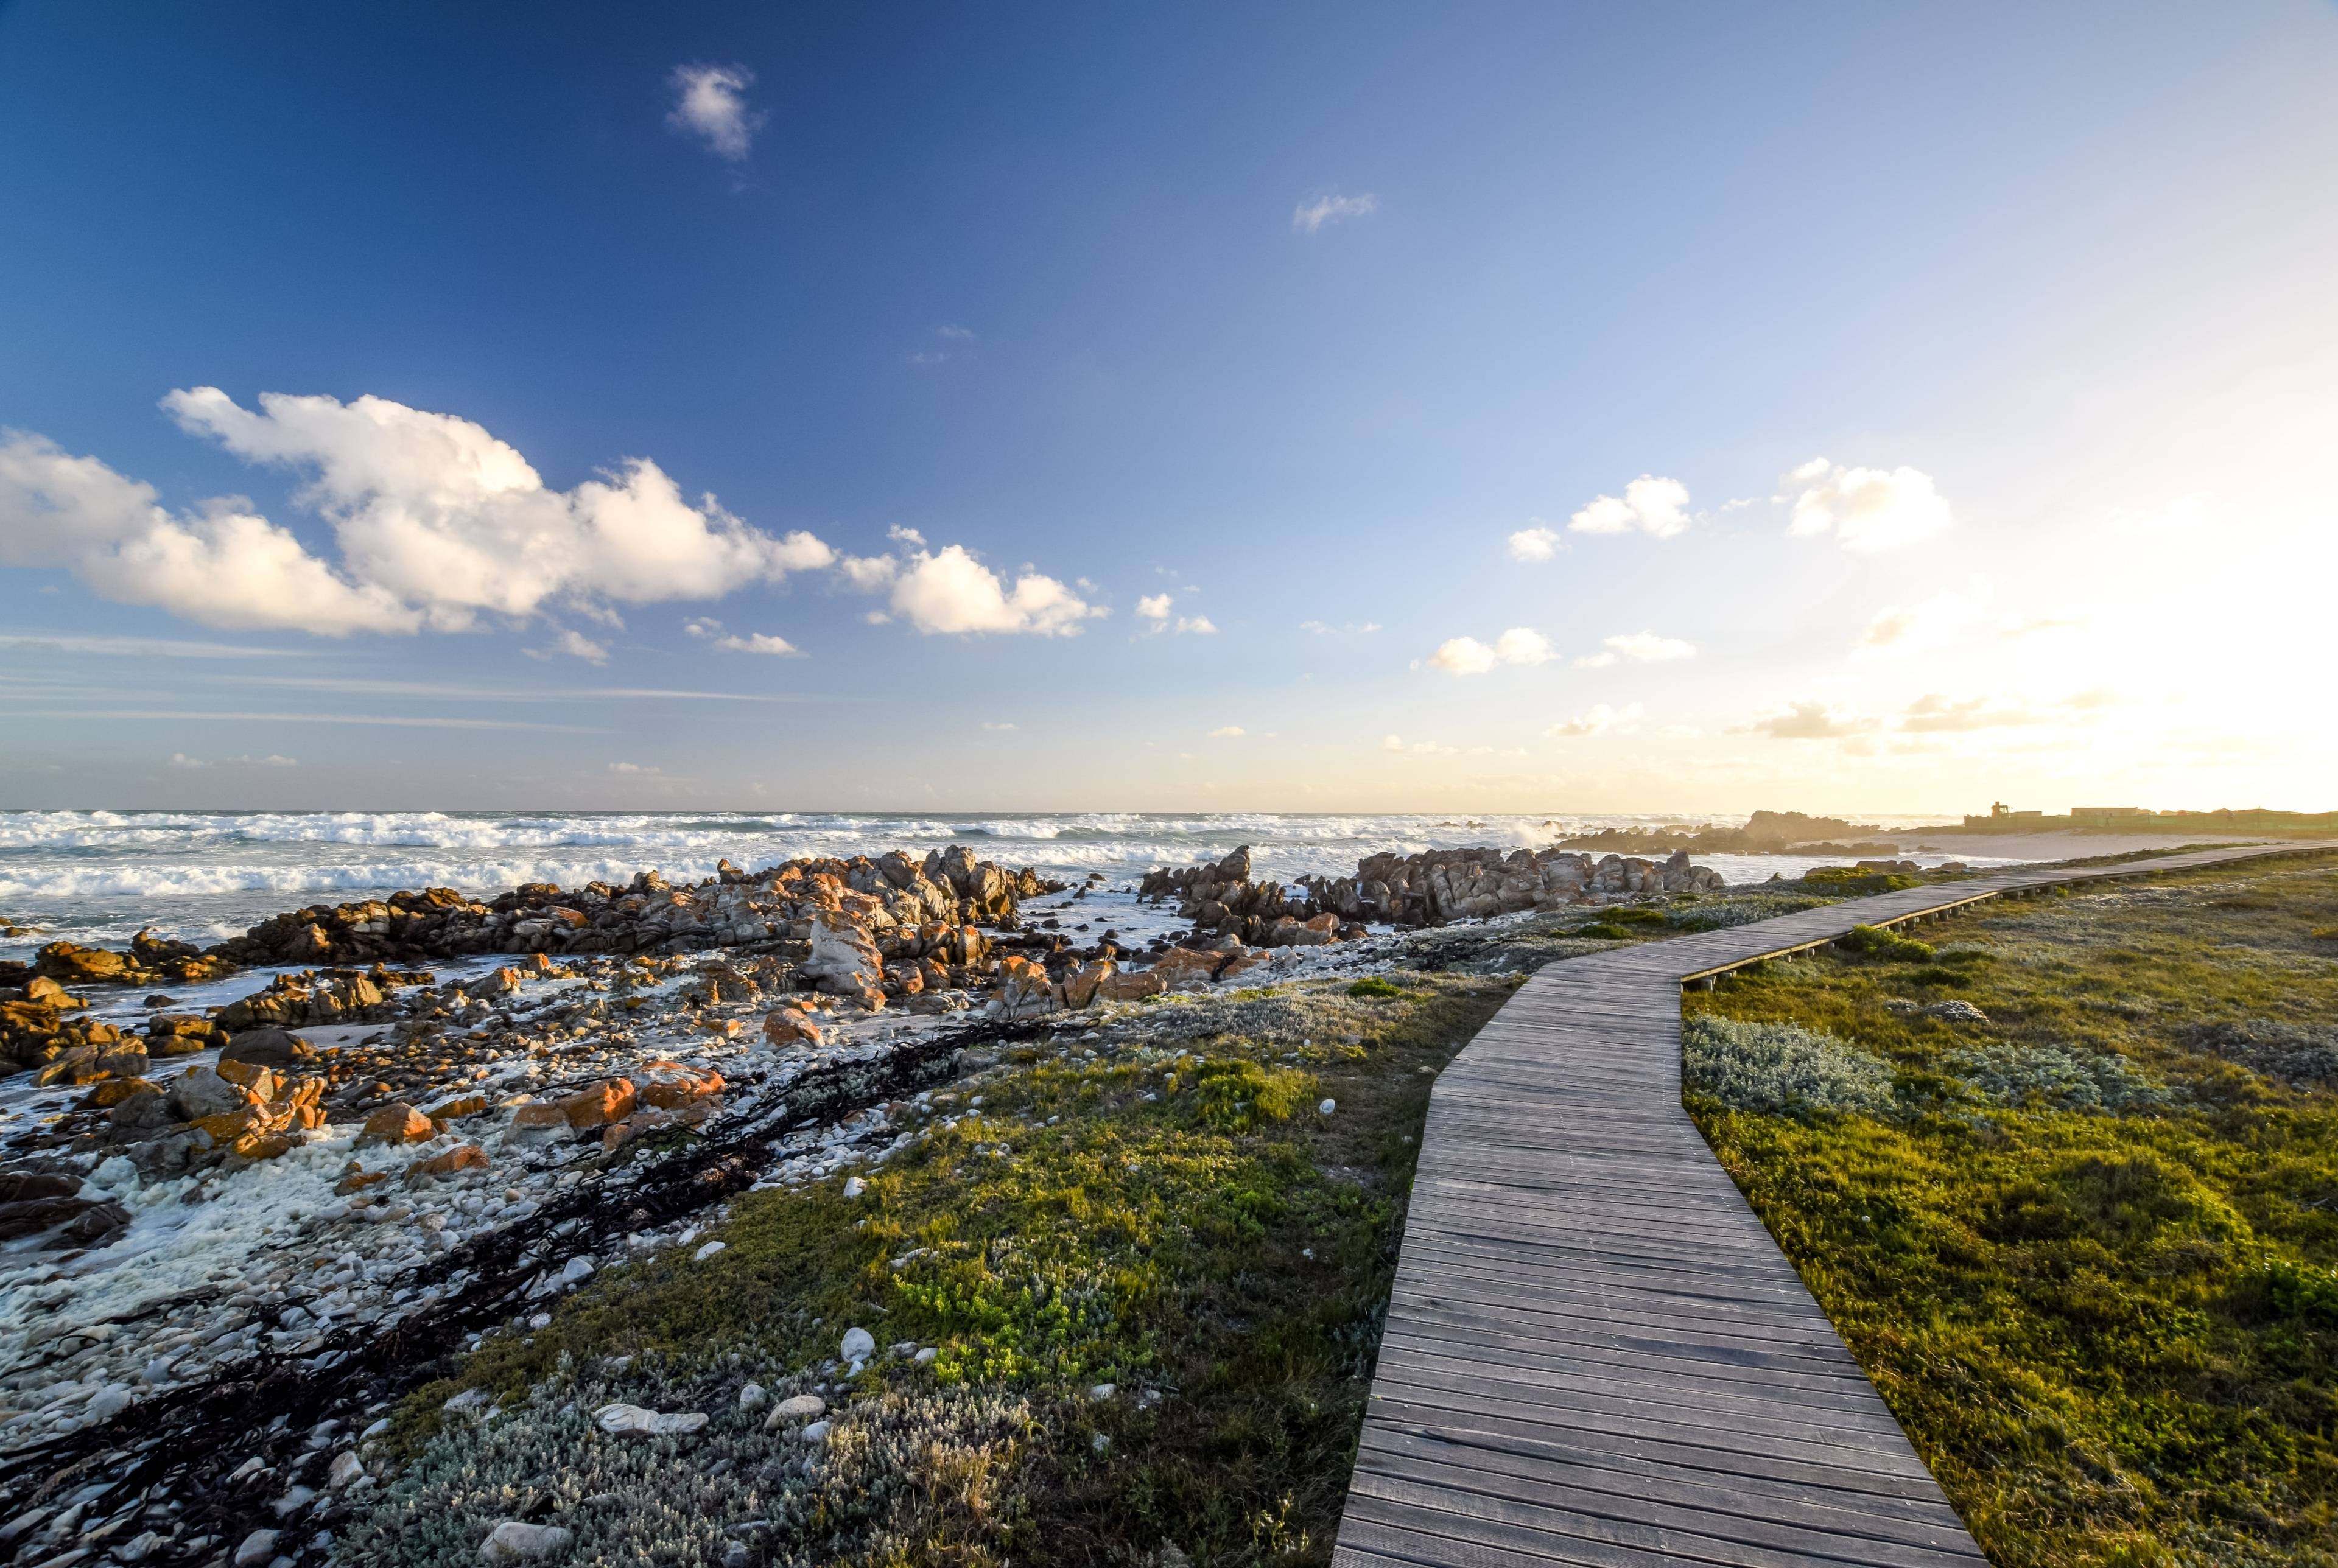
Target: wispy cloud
x=137 y=647
x=710 y=100
x=1352 y=629
x=1228 y=732
x=1600 y=720
x=711 y=631
x=394 y=721
x=1642 y=647
x=1309 y=217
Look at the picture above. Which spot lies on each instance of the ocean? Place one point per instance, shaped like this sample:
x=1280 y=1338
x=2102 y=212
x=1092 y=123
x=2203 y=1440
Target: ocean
x=98 y=876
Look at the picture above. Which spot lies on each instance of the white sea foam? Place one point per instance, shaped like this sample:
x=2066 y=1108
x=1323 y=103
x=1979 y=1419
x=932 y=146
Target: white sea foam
x=100 y=876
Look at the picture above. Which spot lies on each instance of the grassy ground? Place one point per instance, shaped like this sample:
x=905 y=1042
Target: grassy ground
x=2085 y=1247
x=1163 y=1208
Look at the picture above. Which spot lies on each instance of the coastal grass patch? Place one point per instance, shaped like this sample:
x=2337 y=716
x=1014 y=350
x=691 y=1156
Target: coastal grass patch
x=1151 y=1265
x=2086 y=1244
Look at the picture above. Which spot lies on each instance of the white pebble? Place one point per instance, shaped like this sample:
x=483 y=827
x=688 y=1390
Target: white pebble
x=752 y=1397
x=709 y=1251
x=854 y=1187
x=859 y=1345
x=1327 y=1107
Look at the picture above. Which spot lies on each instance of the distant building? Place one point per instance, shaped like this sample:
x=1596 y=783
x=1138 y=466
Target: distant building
x=2109 y=816
x=2002 y=817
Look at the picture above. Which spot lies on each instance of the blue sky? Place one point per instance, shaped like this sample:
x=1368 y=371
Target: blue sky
x=1980 y=366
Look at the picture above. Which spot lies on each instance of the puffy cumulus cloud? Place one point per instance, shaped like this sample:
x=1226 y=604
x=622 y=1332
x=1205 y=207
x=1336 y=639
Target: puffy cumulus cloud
x=1644 y=647
x=1808 y=719
x=711 y=101
x=1600 y=720
x=948 y=591
x=1153 y=606
x=1309 y=217
x=1228 y=732
x=1468 y=656
x=1866 y=509
x=219 y=565
x=1654 y=507
x=1536 y=541
x=438 y=513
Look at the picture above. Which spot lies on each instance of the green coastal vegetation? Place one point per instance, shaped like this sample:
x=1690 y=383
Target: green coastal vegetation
x=2065 y=1175
x=1149 y=1264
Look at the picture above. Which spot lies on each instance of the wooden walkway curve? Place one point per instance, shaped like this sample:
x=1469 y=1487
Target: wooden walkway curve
x=1595 y=1355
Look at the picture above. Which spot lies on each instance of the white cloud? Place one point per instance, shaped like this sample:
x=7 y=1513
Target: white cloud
x=435 y=511
x=1537 y=543
x=1468 y=656
x=948 y=591
x=1934 y=714
x=1154 y=607
x=1415 y=748
x=1644 y=647
x=180 y=760
x=761 y=643
x=1867 y=509
x=1353 y=628
x=962 y=334
x=1597 y=722
x=141 y=647
x=710 y=102
x=1002 y=728
x=1808 y=720
x=576 y=645
x=270 y=760
x=1309 y=217
x=710 y=630
x=1656 y=507
x=1194 y=625
x=1227 y=732
x=221 y=566
x=632 y=768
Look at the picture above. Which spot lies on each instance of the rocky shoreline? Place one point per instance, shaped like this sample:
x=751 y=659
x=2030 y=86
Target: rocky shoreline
x=216 y=1271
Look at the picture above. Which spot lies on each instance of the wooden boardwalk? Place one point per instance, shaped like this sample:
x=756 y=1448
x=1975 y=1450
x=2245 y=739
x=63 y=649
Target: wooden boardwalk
x=1595 y=1355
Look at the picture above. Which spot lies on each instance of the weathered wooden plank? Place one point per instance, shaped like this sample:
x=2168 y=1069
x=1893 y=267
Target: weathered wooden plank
x=1595 y=1355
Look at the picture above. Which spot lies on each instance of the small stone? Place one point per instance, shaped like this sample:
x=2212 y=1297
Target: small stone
x=709 y=1251
x=345 y=1469
x=799 y=1407
x=376 y=1430
x=1102 y=1391
x=753 y=1397
x=257 y=1548
x=924 y=1357
x=1327 y=1107
x=515 y=1541
x=541 y=1320
x=1956 y=1010
x=736 y=1556
x=817 y=1432
x=854 y=1186
x=859 y=1345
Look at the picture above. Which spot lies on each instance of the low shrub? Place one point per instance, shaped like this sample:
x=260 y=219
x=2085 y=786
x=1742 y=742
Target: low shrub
x=1234 y=1096
x=1376 y=985
x=2055 y=1077
x=1875 y=942
x=1602 y=931
x=2291 y=1053
x=1781 y=1069
x=1851 y=880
